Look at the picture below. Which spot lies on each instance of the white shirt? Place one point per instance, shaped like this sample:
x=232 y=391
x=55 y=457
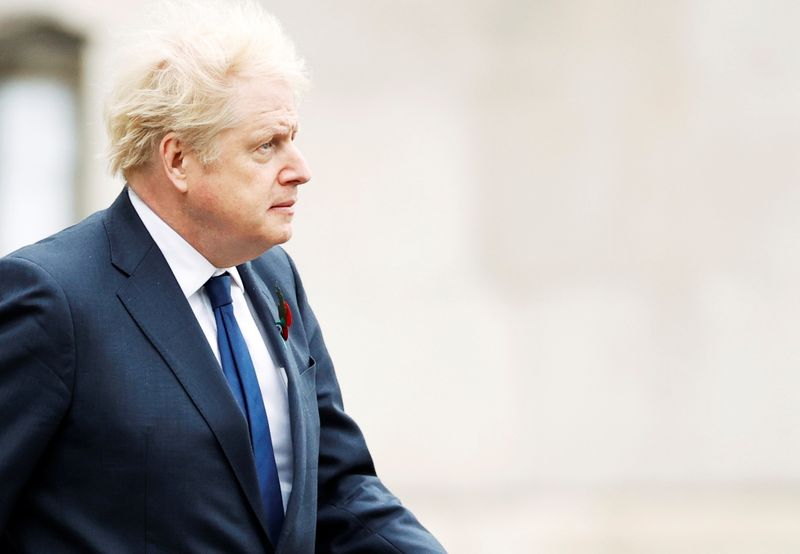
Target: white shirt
x=192 y=270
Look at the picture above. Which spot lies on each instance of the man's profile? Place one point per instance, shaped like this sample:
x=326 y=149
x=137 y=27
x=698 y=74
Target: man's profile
x=164 y=384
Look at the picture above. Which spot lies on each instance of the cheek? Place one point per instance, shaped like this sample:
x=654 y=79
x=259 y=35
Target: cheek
x=206 y=199
x=222 y=206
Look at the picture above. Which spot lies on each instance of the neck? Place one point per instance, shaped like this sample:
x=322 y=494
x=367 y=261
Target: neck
x=169 y=206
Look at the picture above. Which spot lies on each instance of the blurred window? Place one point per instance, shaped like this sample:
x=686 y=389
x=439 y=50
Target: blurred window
x=39 y=142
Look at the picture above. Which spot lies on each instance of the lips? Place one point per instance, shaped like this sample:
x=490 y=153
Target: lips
x=286 y=204
x=285 y=208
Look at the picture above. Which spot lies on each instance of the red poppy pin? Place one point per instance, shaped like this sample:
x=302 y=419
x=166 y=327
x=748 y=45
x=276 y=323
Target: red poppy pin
x=284 y=315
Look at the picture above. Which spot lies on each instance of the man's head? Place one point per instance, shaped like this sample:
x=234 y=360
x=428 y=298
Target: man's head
x=202 y=127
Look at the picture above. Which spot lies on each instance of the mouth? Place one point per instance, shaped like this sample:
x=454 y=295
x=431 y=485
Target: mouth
x=285 y=207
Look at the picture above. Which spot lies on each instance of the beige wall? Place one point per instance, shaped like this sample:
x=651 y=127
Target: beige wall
x=554 y=249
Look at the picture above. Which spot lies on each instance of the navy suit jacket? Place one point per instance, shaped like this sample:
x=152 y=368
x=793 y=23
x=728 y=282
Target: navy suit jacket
x=118 y=432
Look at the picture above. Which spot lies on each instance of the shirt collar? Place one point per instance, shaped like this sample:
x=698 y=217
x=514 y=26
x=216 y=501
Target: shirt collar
x=189 y=266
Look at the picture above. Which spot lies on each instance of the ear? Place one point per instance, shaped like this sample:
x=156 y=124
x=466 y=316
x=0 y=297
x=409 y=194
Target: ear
x=172 y=158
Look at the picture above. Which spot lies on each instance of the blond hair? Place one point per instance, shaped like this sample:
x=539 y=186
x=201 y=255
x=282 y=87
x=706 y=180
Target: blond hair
x=182 y=77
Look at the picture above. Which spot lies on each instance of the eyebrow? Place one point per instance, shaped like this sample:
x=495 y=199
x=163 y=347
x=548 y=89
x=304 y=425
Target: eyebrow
x=281 y=126
x=284 y=126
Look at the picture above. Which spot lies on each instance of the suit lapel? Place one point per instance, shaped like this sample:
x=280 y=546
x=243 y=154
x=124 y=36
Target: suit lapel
x=267 y=310
x=152 y=297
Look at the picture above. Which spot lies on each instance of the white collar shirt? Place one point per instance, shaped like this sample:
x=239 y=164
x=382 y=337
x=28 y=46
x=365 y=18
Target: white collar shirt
x=192 y=271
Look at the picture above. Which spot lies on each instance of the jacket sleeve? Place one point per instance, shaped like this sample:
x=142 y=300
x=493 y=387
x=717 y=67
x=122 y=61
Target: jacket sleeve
x=36 y=368
x=356 y=512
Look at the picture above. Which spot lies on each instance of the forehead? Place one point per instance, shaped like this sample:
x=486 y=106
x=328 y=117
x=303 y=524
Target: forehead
x=265 y=105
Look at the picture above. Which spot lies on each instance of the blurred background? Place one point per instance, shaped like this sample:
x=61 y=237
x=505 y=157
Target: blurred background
x=553 y=245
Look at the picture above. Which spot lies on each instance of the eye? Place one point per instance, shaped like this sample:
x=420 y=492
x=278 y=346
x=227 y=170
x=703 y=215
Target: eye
x=267 y=146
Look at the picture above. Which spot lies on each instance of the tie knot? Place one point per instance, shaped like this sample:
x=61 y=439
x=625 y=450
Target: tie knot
x=219 y=290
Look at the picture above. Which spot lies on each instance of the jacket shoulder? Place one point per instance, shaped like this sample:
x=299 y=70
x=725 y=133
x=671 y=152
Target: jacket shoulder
x=69 y=251
x=276 y=266
x=276 y=259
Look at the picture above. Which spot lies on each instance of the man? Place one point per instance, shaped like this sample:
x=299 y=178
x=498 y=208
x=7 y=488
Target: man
x=164 y=384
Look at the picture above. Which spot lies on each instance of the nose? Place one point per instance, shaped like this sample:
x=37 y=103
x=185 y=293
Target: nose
x=295 y=171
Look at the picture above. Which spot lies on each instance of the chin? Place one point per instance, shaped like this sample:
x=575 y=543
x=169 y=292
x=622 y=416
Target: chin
x=280 y=237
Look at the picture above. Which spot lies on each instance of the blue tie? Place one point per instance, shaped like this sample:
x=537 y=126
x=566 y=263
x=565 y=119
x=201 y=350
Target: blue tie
x=241 y=375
